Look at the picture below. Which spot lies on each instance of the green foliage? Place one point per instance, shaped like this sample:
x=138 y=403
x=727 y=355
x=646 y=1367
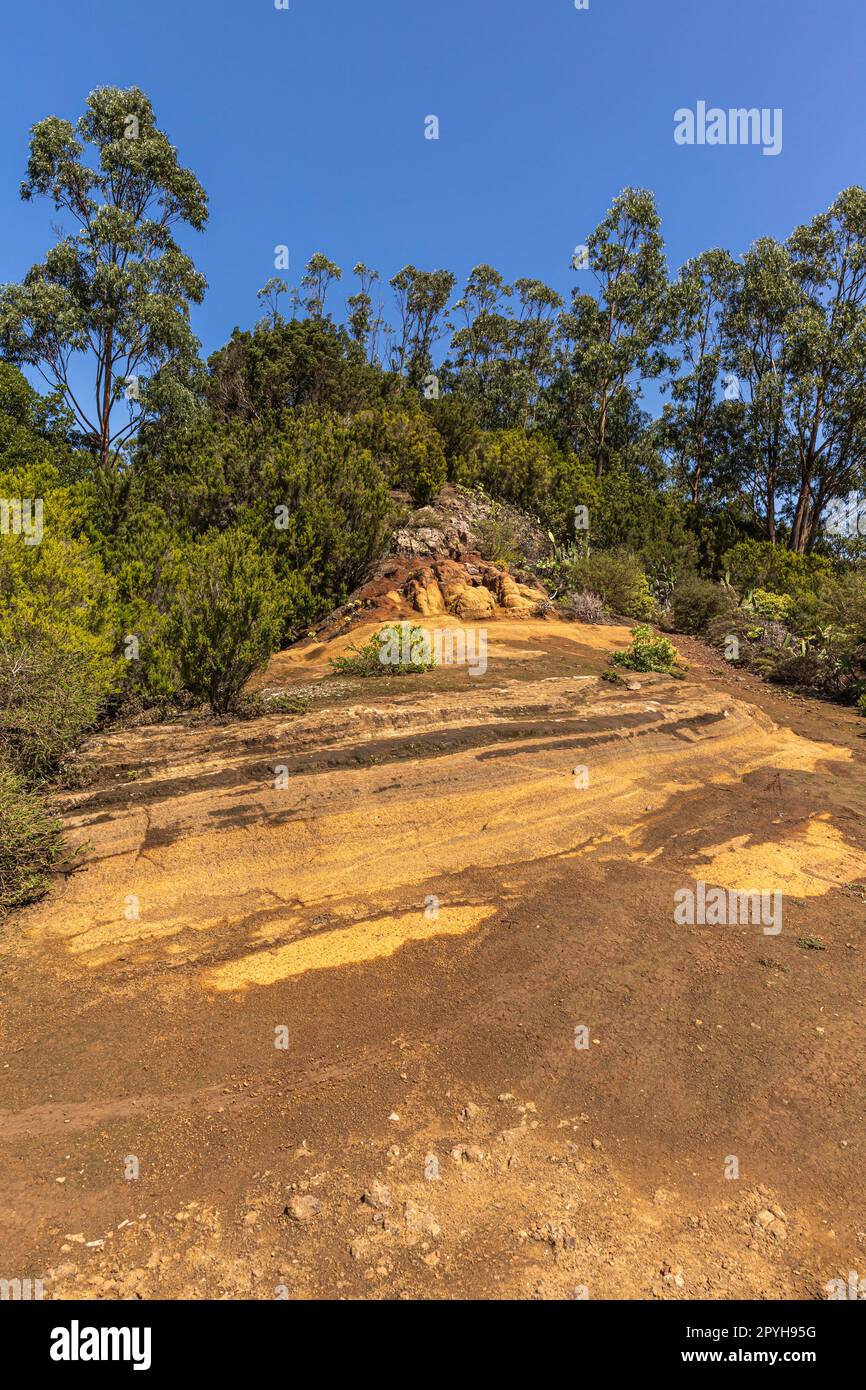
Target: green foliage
x=50 y=694
x=695 y=602
x=58 y=663
x=648 y=652
x=117 y=287
x=776 y=607
x=531 y=473
x=861 y=704
x=408 y=448
x=227 y=618
x=613 y=341
x=754 y=564
x=618 y=578
x=30 y=844
x=498 y=541
x=633 y=511
x=308 y=363
x=299 y=485
x=400 y=649
x=842 y=602
x=511 y=466
x=421 y=296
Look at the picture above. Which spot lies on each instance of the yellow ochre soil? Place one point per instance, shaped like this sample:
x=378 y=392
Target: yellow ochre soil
x=329 y=1015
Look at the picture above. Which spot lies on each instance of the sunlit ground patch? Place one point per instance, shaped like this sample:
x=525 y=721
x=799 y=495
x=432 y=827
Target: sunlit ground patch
x=812 y=860
x=373 y=939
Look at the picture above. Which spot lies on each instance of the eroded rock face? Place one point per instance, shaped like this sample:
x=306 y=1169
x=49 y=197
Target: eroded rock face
x=426 y=541
x=454 y=527
x=473 y=590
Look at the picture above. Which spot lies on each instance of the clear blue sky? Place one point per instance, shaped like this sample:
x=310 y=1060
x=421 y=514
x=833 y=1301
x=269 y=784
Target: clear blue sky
x=306 y=126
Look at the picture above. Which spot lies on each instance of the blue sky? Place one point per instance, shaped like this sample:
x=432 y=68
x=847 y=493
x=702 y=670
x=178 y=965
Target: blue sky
x=306 y=125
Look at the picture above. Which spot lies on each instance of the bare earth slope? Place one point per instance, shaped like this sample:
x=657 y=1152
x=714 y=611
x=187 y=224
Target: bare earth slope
x=328 y=1015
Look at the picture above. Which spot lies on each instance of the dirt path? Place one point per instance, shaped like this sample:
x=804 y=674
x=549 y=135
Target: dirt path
x=341 y=956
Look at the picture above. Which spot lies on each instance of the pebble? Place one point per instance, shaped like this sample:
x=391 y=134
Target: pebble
x=304 y=1208
x=377 y=1196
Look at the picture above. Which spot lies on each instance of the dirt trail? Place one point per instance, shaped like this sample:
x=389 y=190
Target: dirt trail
x=341 y=955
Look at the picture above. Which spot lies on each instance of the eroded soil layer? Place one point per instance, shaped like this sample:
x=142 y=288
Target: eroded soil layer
x=319 y=981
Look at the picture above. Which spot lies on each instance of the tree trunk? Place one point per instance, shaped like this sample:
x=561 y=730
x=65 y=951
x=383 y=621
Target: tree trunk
x=801 y=515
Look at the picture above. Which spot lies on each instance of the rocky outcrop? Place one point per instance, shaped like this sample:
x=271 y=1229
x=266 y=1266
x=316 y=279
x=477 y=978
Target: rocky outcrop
x=473 y=590
x=457 y=526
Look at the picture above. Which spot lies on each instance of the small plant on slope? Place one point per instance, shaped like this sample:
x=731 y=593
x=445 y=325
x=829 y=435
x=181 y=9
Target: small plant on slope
x=649 y=652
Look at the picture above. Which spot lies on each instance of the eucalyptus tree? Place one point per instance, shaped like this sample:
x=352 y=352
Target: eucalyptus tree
x=758 y=361
x=826 y=389
x=422 y=299
x=503 y=359
x=534 y=340
x=699 y=411
x=483 y=347
x=613 y=340
x=366 y=318
x=319 y=274
x=269 y=298
x=115 y=290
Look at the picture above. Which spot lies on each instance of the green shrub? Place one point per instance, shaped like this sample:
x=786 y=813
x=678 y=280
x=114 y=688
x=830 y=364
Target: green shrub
x=842 y=601
x=530 y=472
x=49 y=697
x=300 y=484
x=408 y=447
x=498 y=542
x=633 y=513
x=695 y=602
x=618 y=578
x=776 y=607
x=759 y=565
x=399 y=649
x=58 y=620
x=861 y=704
x=30 y=843
x=227 y=618
x=511 y=466
x=648 y=652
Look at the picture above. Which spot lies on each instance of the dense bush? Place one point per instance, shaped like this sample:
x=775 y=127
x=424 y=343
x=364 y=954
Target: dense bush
x=409 y=449
x=530 y=472
x=631 y=511
x=49 y=696
x=776 y=607
x=755 y=564
x=842 y=602
x=30 y=844
x=227 y=618
x=618 y=578
x=305 y=363
x=58 y=618
x=695 y=602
